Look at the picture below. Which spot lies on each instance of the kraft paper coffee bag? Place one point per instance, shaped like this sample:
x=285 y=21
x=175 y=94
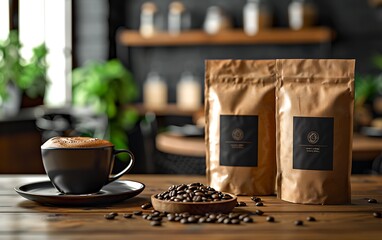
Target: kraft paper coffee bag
x=240 y=126
x=314 y=112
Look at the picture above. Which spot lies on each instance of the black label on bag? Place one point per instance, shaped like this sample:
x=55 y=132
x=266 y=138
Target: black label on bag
x=313 y=143
x=238 y=140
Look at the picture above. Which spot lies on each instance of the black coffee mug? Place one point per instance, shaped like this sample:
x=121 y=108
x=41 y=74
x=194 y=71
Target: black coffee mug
x=82 y=170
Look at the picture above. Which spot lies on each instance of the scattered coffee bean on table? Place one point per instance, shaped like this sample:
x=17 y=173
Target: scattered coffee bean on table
x=183 y=221
x=241 y=204
x=298 y=223
x=377 y=214
x=247 y=220
x=311 y=219
x=156 y=223
x=127 y=215
x=270 y=219
x=138 y=213
x=259 y=212
x=259 y=204
x=235 y=221
x=146 y=206
x=242 y=216
x=372 y=200
x=256 y=199
x=110 y=216
x=193 y=192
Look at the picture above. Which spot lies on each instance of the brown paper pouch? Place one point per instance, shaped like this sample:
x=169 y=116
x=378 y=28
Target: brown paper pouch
x=314 y=130
x=240 y=126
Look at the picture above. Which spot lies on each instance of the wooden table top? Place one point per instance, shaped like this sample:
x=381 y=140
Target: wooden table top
x=24 y=219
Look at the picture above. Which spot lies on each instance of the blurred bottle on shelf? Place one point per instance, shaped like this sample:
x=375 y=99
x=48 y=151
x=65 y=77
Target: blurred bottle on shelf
x=178 y=18
x=188 y=92
x=154 y=92
x=257 y=15
x=216 y=20
x=149 y=13
x=301 y=14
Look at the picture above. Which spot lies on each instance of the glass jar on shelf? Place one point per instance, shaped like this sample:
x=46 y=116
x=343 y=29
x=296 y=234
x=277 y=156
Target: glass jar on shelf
x=154 y=92
x=178 y=18
x=148 y=17
x=188 y=92
x=301 y=14
x=216 y=20
x=257 y=15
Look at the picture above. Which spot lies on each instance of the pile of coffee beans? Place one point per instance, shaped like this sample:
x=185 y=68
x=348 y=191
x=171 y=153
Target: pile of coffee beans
x=187 y=218
x=193 y=192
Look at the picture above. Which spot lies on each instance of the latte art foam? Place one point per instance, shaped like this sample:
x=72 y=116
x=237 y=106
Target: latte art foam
x=75 y=142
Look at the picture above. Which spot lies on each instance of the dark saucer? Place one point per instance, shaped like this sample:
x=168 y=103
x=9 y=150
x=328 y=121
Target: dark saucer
x=45 y=193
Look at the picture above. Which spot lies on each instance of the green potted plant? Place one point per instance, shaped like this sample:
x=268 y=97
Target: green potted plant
x=107 y=87
x=20 y=75
x=368 y=96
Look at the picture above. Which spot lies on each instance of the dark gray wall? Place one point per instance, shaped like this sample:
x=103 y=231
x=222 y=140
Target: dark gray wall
x=358 y=28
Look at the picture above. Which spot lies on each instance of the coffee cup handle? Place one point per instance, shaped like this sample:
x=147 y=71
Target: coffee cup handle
x=127 y=168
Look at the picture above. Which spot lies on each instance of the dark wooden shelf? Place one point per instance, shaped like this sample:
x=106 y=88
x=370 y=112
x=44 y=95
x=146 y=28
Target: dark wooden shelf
x=133 y=38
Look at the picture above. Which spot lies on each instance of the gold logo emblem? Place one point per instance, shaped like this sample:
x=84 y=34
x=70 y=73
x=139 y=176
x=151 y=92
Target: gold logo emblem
x=237 y=134
x=313 y=137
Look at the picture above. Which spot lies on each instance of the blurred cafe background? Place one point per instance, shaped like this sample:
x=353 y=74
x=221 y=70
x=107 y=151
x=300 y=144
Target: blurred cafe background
x=132 y=71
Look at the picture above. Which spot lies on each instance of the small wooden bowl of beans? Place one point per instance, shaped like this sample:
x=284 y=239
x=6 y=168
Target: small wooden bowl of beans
x=194 y=198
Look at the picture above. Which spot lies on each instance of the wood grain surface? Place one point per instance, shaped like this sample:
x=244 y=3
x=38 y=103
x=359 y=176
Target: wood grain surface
x=24 y=219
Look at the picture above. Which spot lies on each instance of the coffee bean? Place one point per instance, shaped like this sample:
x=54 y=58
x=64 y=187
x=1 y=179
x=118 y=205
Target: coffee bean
x=377 y=214
x=110 y=216
x=146 y=205
x=247 y=220
x=298 y=223
x=259 y=204
x=127 y=215
x=155 y=214
x=227 y=221
x=202 y=220
x=156 y=218
x=191 y=219
x=259 y=212
x=242 y=216
x=155 y=223
x=163 y=214
x=235 y=221
x=138 y=213
x=372 y=200
x=183 y=220
x=144 y=216
x=221 y=219
x=227 y=196
x=114 y=213
x=255 y=199
x=270 y=219
x=311 y=219
x=241 y=204
x=233 y=215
